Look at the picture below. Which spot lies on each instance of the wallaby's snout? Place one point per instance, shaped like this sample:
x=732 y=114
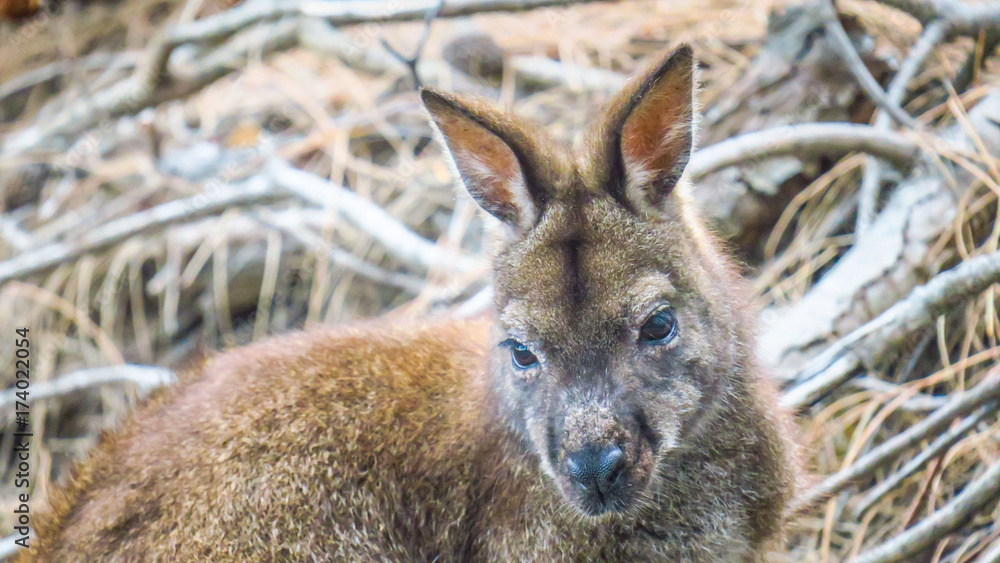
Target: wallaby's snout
x=599 y=473
x=602 y=456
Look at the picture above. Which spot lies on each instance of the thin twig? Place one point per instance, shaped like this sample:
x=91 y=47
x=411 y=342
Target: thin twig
x=411 y=62
x=872 y=178
x=842 y=43
x=962 y=404
x=941 y=443
x=985 y=489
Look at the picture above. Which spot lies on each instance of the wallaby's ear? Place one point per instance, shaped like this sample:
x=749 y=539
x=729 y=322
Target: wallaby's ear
x=651 y=133
x=491 y=154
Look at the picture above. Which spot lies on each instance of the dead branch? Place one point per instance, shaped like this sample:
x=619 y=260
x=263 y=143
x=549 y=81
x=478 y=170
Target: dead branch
x=411 y=62
x=246 y=276
x=804 y=139
x=857 y=67
x=145 y=379
x=231 y=21
x=962 y=18
x=398 y=239
x=150 y=87
x=228 y=23
x=842 y=359
x=885 y=262
x=869 y=194
x=985 y=489
x=934 y=449
x=250 y=192
x=292 y=223
x=961 y=405
x=794 y=77
x=544 y=72
x=161 y=78
x=59 y=68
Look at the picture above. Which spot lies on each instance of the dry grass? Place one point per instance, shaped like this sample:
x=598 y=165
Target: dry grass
x=169 y=294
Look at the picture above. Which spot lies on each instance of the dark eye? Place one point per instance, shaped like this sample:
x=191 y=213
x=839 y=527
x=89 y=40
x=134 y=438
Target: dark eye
x=660 y=327
x=521 y=356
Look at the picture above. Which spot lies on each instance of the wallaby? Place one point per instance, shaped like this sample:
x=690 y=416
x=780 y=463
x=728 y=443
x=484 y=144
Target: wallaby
x=609 y=408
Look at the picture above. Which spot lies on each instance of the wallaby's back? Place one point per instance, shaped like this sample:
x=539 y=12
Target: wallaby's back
x=312 y=446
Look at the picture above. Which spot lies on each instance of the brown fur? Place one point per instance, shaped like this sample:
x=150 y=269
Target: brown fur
x=421 y=441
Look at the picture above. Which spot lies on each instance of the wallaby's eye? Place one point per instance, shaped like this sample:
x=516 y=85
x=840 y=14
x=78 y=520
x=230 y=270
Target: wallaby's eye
x=520 y=355
x=660 y=327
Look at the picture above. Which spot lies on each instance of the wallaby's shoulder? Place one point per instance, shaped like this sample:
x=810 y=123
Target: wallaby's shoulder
x=243 y=433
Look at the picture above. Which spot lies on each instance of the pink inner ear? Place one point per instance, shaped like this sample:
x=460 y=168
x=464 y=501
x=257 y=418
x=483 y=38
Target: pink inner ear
x=658 y=130
x=488 y=166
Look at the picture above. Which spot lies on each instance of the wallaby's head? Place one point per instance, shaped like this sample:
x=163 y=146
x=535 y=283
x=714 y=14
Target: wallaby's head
x=617 y=332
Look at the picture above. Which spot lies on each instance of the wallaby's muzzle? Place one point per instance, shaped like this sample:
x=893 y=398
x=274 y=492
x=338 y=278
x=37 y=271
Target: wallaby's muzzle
x=599 y=473
x=603 y=458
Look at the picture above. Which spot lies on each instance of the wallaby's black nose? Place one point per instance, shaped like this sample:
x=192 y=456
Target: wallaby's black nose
x=597 y=470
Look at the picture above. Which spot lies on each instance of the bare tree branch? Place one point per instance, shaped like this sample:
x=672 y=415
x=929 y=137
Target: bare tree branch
x=545 y=72
x=872 y=179
x=160 y=79
x=985 y=489
x=846 y=49
x=886 y=262
x=963 y=18
x=397 y=238
x=231 y=21
x=962 y=404
x=920 y=402
x=58 y=68
x=253 y=191
x=805 y=138
x=843 y=358
x=149 y=87
x=411 y=62
x=292 y=224
x=936 y=448
x=145 y=379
